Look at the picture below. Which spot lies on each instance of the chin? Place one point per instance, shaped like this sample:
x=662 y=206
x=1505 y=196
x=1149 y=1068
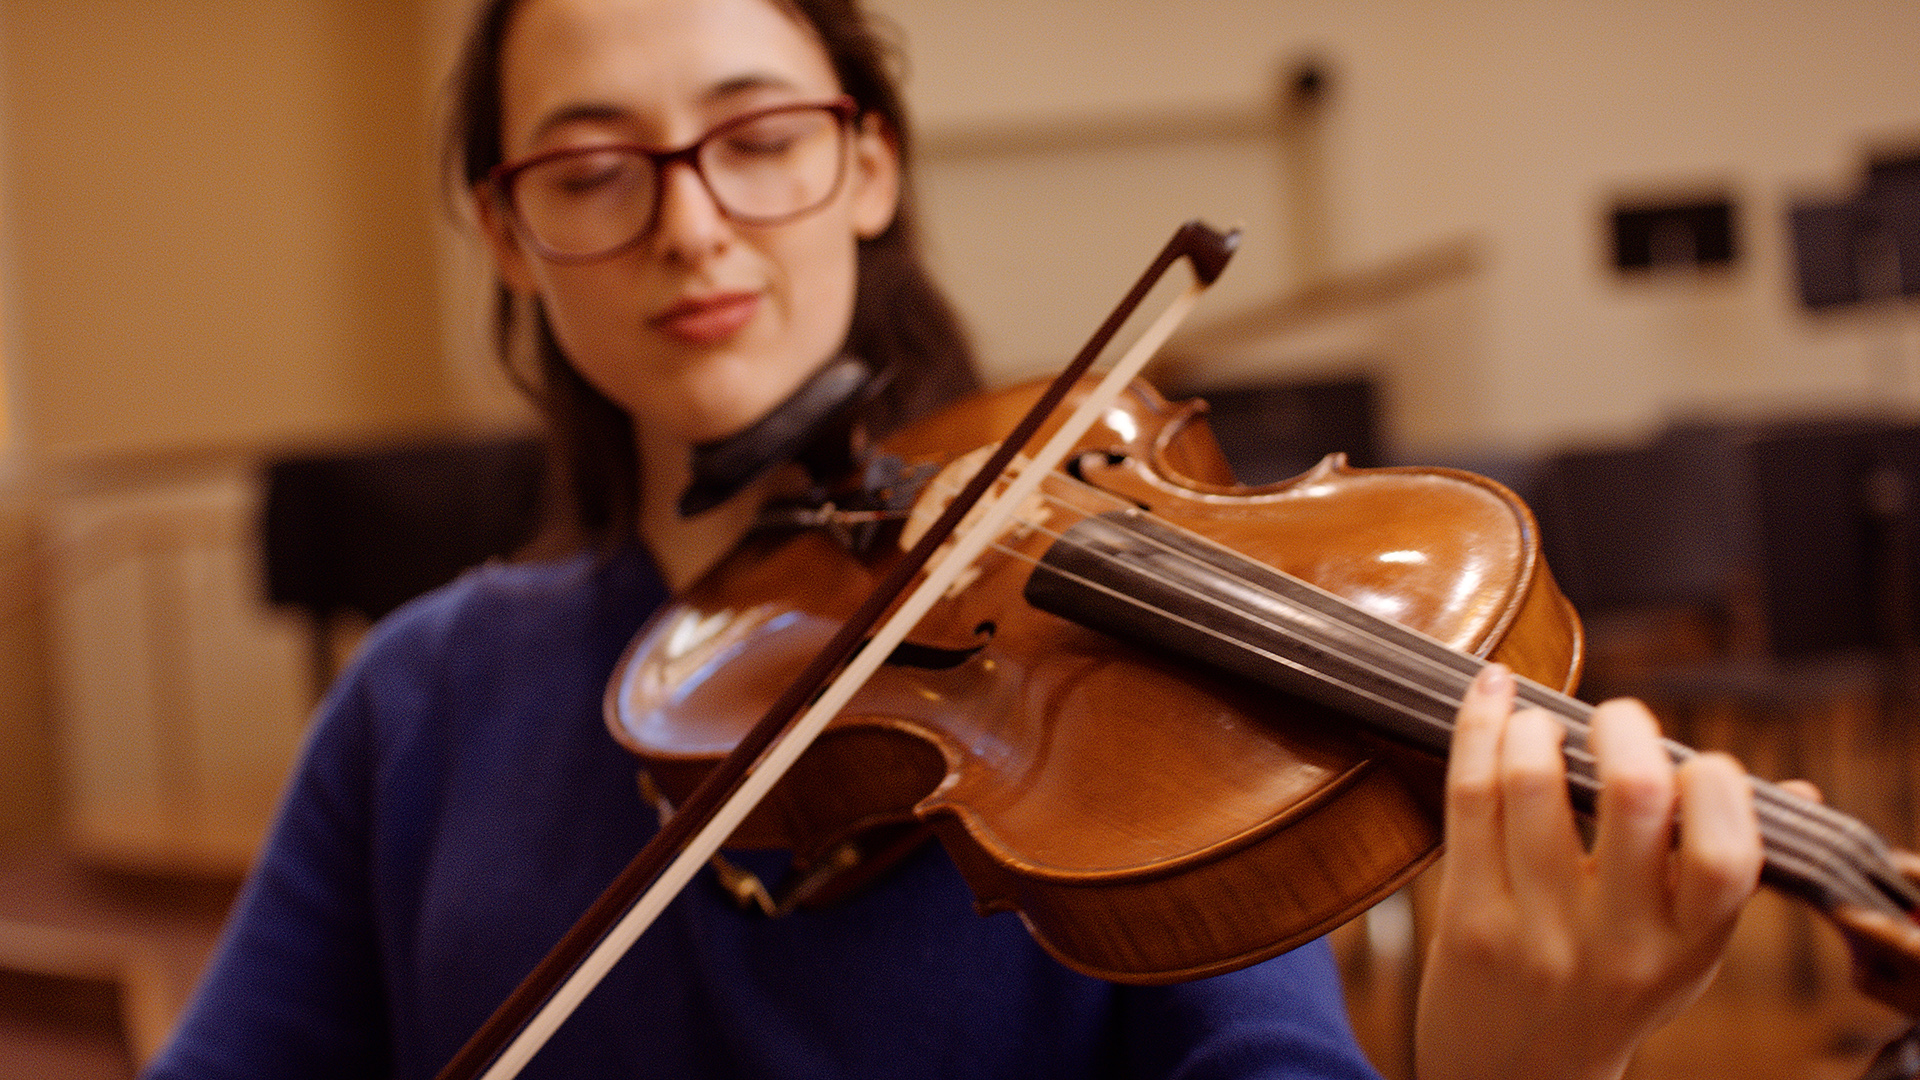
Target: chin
x=736 y=402
x=719 y=417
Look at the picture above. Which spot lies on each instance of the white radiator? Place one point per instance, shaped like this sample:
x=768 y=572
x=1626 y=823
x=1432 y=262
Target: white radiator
x=179 y=698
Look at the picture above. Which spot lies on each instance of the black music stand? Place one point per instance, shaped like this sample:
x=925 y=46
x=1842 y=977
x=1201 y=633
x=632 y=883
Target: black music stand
x=361 y=531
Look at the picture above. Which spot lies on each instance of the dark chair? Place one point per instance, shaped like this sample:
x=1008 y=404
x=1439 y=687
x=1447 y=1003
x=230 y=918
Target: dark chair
x=361 y=531
x=1275 y=431
x=1835 y=503
x=1667 y=523
x=1795 y=541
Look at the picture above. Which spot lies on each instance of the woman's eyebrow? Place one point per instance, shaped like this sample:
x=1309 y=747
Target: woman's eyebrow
x=606 y=111
x=747 y=83
x=573 y=114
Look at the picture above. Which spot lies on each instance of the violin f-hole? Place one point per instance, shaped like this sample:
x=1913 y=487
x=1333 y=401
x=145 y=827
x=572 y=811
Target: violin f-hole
x=911 y=654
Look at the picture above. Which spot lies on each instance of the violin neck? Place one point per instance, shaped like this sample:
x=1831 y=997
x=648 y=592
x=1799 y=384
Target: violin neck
x=1138 y=578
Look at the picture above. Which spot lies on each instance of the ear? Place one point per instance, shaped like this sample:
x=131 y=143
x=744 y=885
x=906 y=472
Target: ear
x=510 y=258
x=875 y=177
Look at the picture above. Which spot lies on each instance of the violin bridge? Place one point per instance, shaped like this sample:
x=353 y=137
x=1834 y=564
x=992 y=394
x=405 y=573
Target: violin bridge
x=938 y=493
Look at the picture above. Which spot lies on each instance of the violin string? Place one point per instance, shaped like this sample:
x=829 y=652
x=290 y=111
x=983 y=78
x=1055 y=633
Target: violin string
x=1804 y=843
x=1795 y=823
x=1827 y=854
x=1441 y=704
x=1439 y=727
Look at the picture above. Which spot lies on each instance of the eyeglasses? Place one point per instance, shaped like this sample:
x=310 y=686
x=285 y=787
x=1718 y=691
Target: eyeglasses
x=763 y=168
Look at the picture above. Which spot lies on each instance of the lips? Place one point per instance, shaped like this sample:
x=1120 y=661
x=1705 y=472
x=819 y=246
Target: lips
x=707 y=319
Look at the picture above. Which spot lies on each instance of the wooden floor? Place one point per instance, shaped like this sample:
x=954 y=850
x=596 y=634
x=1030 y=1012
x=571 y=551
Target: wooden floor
x=61 y=1029
x=95 y=966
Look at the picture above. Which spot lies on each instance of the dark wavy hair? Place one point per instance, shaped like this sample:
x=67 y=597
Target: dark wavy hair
x=903 y=325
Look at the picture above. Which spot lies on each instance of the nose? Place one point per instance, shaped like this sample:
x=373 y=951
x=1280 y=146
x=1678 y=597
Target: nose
x=688 y=222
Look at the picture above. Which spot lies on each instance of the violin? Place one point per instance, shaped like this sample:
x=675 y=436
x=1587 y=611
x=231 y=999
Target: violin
x=1177 y=724
x=1142 y=819
x=1089 y=727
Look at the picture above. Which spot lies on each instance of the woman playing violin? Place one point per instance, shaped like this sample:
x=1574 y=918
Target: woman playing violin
x=694 y=205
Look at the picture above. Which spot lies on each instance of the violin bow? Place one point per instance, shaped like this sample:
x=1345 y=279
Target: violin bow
x=524 y=1022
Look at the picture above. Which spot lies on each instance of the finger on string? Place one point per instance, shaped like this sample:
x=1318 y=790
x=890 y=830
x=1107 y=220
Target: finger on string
x=1803 y=788
x=1717 y=863
x=1633 y=831
x=1473 y=772
x=1544 y=851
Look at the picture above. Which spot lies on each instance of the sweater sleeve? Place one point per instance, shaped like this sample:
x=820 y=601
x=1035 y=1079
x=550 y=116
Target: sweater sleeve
x=1283 y=1019
x=294 y=988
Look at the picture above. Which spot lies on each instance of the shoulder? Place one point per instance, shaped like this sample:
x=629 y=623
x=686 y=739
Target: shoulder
x=578 y=611
x=461 y=713
x=502 y=643
x=508 y=602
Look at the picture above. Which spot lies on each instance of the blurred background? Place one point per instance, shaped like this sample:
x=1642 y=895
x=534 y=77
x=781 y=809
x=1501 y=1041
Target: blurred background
x=1652 y=265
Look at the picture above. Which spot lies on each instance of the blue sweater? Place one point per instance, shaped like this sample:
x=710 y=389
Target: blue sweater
x=460 y=802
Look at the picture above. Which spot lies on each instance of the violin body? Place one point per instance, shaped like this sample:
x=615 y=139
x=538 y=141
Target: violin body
x=1151 y=820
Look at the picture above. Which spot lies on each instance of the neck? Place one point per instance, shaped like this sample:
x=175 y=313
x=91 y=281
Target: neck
x=737 y=473
x=685 y=548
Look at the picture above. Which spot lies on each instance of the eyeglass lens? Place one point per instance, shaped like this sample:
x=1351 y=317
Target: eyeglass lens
x=760 y=169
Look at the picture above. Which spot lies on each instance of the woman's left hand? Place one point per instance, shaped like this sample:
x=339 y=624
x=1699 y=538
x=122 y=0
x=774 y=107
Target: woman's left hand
x=1552 y=961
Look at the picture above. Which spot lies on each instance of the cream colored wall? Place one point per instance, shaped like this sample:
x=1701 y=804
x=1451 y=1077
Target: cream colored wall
x=223 y=221
x=221 y=226
x=221 y=230
x=1513 y=122
x=221 y=237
